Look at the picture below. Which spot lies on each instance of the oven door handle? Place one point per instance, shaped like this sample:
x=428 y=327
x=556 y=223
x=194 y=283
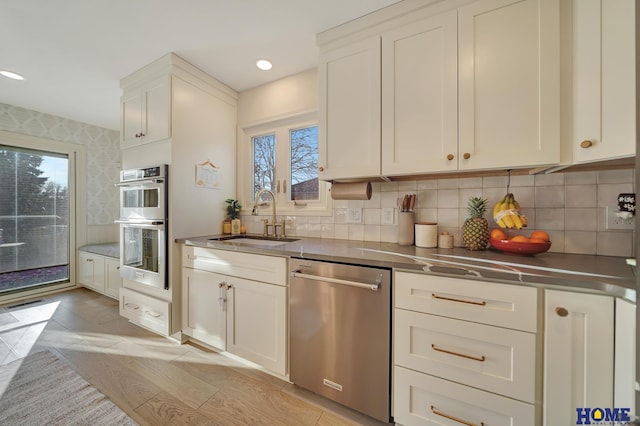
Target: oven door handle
x=139 y=182
x=374 y=287
x=149 y=224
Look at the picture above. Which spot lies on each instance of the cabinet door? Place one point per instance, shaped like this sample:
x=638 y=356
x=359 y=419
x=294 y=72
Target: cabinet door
x=420 y=97
x=204 y=306
x=156 y=121
x=509 y=81
x=112 y=279
x=256 y=327
x=604 y=79
x=131 y=118
x=625 y=355
x=91 y=271
x=146 y=113
x=578 y=358
x=349 y=114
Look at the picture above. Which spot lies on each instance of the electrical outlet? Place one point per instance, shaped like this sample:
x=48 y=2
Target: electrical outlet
x=615 y=222
x=388 y=215
x=354 y=215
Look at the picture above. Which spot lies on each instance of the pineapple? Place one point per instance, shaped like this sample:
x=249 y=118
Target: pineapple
x=475 y=231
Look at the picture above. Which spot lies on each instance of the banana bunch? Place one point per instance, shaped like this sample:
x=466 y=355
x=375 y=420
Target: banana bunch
x=507 y=213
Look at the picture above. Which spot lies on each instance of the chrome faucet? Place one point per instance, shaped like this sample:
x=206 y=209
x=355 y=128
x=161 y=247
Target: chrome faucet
x=273 y=223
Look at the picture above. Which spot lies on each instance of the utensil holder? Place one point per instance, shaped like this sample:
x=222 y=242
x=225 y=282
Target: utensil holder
x=406 y=224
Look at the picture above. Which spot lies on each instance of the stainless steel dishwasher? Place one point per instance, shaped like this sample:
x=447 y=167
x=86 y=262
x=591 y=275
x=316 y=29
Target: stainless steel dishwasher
x=340 y=333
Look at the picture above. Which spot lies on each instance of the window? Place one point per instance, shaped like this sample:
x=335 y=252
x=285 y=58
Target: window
x=283 y=158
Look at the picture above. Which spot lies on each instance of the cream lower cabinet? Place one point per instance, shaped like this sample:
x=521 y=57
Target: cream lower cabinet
x=204 y=313
x=99 y=273
x=112 y=279
x=237 y=302
x=624 y=394
x=578 y=355
x=464 y=351
x=91 y=271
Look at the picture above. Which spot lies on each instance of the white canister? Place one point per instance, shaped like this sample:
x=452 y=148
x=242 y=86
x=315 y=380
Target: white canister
x=426 y=234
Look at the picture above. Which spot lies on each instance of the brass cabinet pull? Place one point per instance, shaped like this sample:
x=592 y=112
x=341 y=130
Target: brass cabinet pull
x=229 y=286
x=451 y=299
x=475 y=358
x=466 y=156
x=586 y=144
x=450 y=157
x=321 y=169
x=437 y=412
x=562 y=312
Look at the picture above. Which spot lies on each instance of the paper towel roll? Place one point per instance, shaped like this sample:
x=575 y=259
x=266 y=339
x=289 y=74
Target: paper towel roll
x=351 y=191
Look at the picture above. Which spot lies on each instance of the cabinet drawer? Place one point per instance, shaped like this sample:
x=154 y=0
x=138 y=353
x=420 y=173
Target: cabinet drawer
x=146 y=311
x=420 y=399
x=267 y=269
x=490 y=358
x=488 y=303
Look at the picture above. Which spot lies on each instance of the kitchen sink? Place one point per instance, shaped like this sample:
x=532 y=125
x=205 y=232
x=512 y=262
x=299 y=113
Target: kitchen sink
x=258 y=240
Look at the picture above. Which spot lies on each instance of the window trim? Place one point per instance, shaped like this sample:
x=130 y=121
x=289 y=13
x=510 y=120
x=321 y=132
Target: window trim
x=284 y=206
x=77 y=202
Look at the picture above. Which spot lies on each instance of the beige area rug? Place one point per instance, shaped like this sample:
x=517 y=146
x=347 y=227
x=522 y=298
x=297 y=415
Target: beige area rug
x=43 y=390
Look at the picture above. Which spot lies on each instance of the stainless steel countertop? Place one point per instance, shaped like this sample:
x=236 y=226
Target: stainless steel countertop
x=602 y=274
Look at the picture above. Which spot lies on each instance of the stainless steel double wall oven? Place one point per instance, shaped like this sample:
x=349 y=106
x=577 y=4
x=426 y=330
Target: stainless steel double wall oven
x=143 y=222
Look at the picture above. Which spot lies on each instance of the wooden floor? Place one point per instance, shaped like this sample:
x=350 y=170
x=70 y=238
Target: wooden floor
x=153 y=379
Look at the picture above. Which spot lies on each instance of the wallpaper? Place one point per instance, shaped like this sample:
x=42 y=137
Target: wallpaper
x=102 y=147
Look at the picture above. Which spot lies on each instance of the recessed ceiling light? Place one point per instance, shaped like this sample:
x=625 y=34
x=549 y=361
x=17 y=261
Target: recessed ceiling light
x=264 y=65
x=12 y=75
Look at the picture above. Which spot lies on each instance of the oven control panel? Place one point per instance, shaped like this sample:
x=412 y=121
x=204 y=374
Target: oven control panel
x=144 y=173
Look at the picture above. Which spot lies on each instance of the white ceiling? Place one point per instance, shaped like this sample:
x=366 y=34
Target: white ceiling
x=73 y=53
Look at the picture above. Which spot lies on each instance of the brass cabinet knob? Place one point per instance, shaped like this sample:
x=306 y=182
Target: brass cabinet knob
x=450 y=157
x=562 y=312
x=586 y=144
x=321 y=169
x=466 y=156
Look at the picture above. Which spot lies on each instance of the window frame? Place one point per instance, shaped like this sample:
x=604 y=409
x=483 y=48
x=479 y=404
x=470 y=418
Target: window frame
x=281 y=128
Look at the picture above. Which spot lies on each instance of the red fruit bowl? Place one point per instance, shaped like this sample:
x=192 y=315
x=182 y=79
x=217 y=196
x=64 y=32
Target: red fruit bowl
x=518 y=247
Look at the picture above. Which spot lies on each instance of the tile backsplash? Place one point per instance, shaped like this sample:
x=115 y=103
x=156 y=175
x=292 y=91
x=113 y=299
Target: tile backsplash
x=571 y=207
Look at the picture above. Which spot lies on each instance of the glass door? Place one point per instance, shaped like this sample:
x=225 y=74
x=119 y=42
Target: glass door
x=34 y=218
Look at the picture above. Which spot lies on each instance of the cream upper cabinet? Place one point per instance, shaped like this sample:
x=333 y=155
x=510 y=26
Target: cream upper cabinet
x=146 y=113
x=476 y=88
x=509 y=82
x=349 y=111
x=604 y=79
x=420 y=97
x=578 y=355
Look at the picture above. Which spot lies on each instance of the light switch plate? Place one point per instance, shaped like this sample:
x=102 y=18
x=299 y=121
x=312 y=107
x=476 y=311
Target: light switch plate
x=388 y=215
x=617 y=223
x=354 y=215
